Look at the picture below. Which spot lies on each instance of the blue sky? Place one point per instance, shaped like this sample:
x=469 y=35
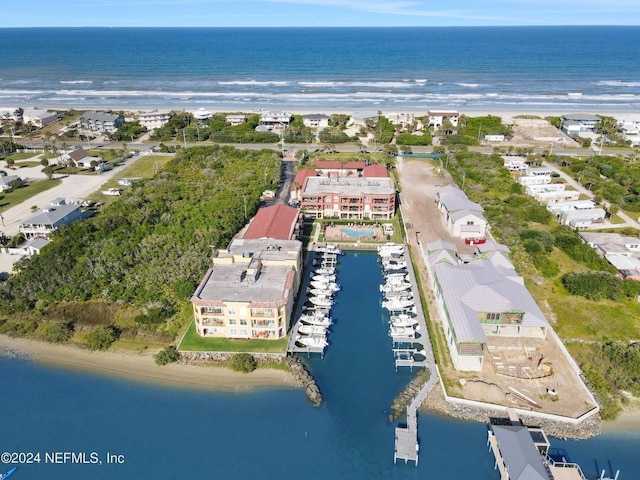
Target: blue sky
x=278 y=13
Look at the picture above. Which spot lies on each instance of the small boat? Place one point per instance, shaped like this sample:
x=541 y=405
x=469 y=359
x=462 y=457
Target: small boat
x=402 y=294
x=312 y=342
x=390 y=246
x=333 y=286
x=325 y=271
x=403 y=320
x=312 y=329
x=321 y=301
x=391 y=277
x=321 y=292
x=395 y=286
x=394 y=265
x=8 y=474
x=323 y=278
x=328 y=248
x=315 y=320
x=396 y=304
x=402 y=331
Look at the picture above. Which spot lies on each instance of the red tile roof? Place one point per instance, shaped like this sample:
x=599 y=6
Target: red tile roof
x=302 y=175
x=334 y=165
x=375 y=171
x=278 y=221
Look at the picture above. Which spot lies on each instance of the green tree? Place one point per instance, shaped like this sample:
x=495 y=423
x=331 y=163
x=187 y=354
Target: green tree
x=167 y=355
x=56 y=332
x=242 y=362
x=102 y=337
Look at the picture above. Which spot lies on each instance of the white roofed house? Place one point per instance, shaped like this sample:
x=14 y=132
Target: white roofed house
x=50 y=218
x=536 y=176
x=437 y=118
x=464 y=218
x=236 y=119
x=579 y=122
x=151 y=120
x=38 y=117
x=361 y=119
x=316 y=120
x=202 y=114
x=480 y=299
x=515 y=163
x=9 y=181
x=101 y=122
x=276 y=120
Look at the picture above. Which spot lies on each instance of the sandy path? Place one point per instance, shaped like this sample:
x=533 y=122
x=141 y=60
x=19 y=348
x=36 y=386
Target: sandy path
x=141 y=367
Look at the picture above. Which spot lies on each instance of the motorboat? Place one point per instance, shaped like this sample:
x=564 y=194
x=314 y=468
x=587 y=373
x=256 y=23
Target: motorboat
x=402 y=294
x=395 y=286
x=323 y=278
x=312 y=329
x=390 y=276
x=403 y=331
x=315 y=320
x=321 y=301
x=403 y=320
x=396 y=304
x=321 y=292
x=312 y=341
x=325 y=271
x=394 y=265
x=328 y=248
x=333 y=286
x=391 y=247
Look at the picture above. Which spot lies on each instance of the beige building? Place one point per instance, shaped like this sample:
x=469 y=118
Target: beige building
x=249 y=290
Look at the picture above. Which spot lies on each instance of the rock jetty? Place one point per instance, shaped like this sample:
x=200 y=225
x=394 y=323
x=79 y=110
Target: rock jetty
x=305 y=380
x=404 y=398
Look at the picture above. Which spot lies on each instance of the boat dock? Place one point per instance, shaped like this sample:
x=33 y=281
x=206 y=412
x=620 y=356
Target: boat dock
x=407 y=444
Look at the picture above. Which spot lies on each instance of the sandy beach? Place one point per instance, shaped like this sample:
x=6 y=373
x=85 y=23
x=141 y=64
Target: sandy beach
x=141 y=367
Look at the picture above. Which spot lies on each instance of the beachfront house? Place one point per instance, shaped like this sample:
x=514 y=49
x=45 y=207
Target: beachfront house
x=438 y=118
x=249 y=291
x=38 y=117
x=362 y=119
x=101 y=122
x=155 y=119
x=370 y=196
x=202 y=114
x=478 y=299
x=621 y=251
x=575 y=123
x=276 y=120
x=236 y=119
x=50 y=218
x=463 y=218
x=316 y=120
x=402 y=120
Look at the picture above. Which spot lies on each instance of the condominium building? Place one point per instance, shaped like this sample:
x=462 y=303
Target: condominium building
x=151 y=120
x=101 y=122
x=249 y=290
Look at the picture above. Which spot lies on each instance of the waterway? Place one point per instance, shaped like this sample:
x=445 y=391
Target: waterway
x=274 y=434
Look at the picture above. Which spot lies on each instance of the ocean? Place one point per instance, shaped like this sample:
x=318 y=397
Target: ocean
x=274 y=434
x=555 y=69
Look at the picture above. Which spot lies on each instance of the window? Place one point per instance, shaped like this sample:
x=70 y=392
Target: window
x=243 y=321
x=469 y=222
x=232 y=321
x=233 y=332
x=493 y=316
x=243 y=332
x=231 y=310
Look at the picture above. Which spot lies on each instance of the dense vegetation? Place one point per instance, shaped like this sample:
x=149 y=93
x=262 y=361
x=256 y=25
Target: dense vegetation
x=129 y=132
x=413 y=139
x=472 y=129
x=242 y=362
x=148 y=249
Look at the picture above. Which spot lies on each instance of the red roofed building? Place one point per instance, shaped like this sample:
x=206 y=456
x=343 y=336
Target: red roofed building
x=278 y=221
x=375 y=171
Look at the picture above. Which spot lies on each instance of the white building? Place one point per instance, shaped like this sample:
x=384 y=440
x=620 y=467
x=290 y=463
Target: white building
x=464 y=218
x=437 y=117
x=236 y=119
x=316 y=120
x=536 y=176
x=39 y=118
x=202 y=114
x=101 y=122
x=151 y=120
x=50 y=218
x=552 y=193
x=515 y=163
x=401 y=119
x=276 y=120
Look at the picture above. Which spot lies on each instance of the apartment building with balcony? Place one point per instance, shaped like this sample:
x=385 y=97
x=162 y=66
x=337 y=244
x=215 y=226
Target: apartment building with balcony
x=249 y=291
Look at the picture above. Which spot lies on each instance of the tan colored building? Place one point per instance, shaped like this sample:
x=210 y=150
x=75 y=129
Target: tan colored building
x=250 y=289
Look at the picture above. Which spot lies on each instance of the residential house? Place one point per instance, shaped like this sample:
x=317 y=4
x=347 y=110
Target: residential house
x=579 y=122
x=552 y=193
x=316 y=120
x=464 y=218
x=9 y=181
x=361 y=119
x=38 y=117
x=403 y=120
x=50 y=218
x=101 y=122
x=621 y=251
x=202 y=114
x=249 y=291
x=479 y=299
x=279 y=222
x=236 y=119
x=155 y=119
x=536 y=176
x=515 y=163
x=437 y=118
x=35 y=246
x=276 y=120
x=82 y=158
x=581 y=217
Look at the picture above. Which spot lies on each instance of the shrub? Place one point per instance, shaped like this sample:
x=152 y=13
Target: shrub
x=243 y=362
x=102 y=337
x=167 y=355
x=595 y=285
x=56 y=332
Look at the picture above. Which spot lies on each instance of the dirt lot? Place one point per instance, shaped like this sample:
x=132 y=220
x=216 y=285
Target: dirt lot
x=534 y=132
x=420 y=180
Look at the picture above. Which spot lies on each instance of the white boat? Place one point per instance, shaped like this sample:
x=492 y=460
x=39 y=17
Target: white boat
x=403 y=331
x=396 y=304
x=323 y=278
x=325 y=271
x=391 y=246
x=312 y=329
x=394 y=265
x=395 y=286
x=328 y=248
x=312 y=341
x=321 y=292
x=333 y=286
x=390 y=277
x=403 y=320
x=321 y=301
x=315 y=320
x=402 y=294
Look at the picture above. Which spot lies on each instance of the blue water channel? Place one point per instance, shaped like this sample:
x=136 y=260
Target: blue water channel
x=167 y=433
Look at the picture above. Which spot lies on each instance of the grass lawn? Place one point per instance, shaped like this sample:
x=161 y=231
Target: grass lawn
x=192 y=342
x=27 y=163
x=616 y=219
x=21 y=156
x=16 y=197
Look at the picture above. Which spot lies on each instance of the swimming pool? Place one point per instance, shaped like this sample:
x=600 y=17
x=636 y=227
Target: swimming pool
x=357 y=233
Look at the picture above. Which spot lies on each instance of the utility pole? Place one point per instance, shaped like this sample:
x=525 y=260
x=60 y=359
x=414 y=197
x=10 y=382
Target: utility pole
x=184 y=137
x=244 y=197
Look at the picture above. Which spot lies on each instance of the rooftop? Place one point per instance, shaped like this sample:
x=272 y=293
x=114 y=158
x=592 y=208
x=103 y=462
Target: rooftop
x=277 y=221
x=349 y=186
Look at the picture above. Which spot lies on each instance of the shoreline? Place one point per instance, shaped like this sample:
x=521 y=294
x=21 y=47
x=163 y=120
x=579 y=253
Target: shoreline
x=141 y=367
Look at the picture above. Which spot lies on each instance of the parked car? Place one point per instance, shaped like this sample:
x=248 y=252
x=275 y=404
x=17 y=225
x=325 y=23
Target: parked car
x=475 y=241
